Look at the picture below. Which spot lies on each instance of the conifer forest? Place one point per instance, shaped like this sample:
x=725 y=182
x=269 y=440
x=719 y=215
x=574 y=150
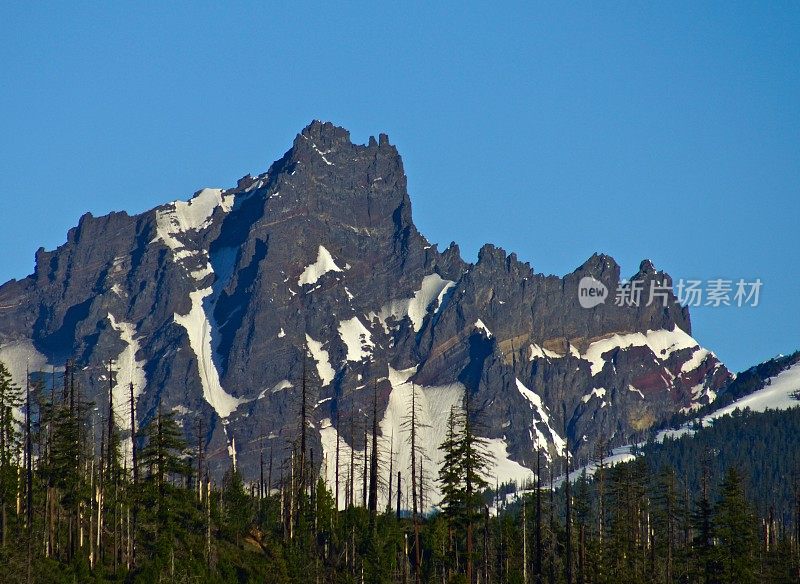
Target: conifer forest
x=77 y=505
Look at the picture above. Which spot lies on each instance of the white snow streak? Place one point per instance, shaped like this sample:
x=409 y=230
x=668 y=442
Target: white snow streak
x=538 y=406
x=538 y=352
x=323 y=264
x=129 y=370
x=281 y=385
x=322 y=359
x=322 y=154
x=431 y=293
x=661 y=342
x=198 y=328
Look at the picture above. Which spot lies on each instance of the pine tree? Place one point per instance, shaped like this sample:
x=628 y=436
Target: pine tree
x=373 y=468
x=237 y=505
x=450 y=473
x=665 y=519
x=735 y=528
x=583 y=511
x=412 y=424
x=164 y=453
x=10 y=400
x=462 y=477
x=701 y=522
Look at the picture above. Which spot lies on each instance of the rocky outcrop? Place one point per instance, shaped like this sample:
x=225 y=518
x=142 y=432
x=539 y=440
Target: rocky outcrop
x=215 y=307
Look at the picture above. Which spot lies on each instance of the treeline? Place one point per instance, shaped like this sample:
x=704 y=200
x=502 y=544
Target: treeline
x=762 y=446
x=633 y=524
x=78 y=504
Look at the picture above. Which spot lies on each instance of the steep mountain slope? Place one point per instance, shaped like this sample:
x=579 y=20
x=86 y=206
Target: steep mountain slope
x=207 y=307
x=772 y=386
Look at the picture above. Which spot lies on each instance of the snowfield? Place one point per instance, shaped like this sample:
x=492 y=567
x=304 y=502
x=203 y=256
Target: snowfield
x=433 y=408
x=180 y=217
x=198 y=328
x=777 y=394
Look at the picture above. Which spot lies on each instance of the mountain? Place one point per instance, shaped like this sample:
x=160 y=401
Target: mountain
x=751 y=426
x=725 y=423
x=218 y=307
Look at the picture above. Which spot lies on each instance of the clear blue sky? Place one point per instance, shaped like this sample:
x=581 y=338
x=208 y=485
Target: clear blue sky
x=667 y=132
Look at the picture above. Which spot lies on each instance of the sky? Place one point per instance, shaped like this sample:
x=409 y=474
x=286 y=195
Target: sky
x=667 y=131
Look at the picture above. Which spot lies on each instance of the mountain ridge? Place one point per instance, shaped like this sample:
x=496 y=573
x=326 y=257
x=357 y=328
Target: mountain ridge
x=211 y=303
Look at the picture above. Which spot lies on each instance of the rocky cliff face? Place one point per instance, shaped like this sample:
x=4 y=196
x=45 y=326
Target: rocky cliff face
x=215 y=307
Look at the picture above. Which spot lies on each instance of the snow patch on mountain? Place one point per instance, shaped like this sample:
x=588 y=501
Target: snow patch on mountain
x=323 y=264
x=181 y=217
x=322 y=360
x=129 y=371
x=482 y=327
x=322 y=154
x=661 y=342
x=198 y=328
x=433 y=287
x=280 y=386
x=431 y=293
x=540 y=416
x=539 y=352
x=19 y=356
x=598 y=392
x=356 y=338
x=502 y=468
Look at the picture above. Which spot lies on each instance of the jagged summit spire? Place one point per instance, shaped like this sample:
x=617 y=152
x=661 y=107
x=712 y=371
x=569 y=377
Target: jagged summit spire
x=328 y=135
x=325 y=132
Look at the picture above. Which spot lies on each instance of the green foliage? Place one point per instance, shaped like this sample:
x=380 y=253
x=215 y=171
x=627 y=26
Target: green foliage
x=10 y=400
x=735 y=527
x=698 y=520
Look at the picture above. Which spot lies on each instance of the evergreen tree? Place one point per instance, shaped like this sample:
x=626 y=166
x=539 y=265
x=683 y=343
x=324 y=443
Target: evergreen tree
x=462 y=477
x=10 y=400
x=702 y=525
x=735 y=528
x=164 y=454
x=450 y=473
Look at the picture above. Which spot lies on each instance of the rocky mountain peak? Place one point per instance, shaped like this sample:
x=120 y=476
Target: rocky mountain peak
x=600 y=266
x=215 y=307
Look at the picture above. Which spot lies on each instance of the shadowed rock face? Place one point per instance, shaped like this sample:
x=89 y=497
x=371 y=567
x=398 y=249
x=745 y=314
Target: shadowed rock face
x=207 y=306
